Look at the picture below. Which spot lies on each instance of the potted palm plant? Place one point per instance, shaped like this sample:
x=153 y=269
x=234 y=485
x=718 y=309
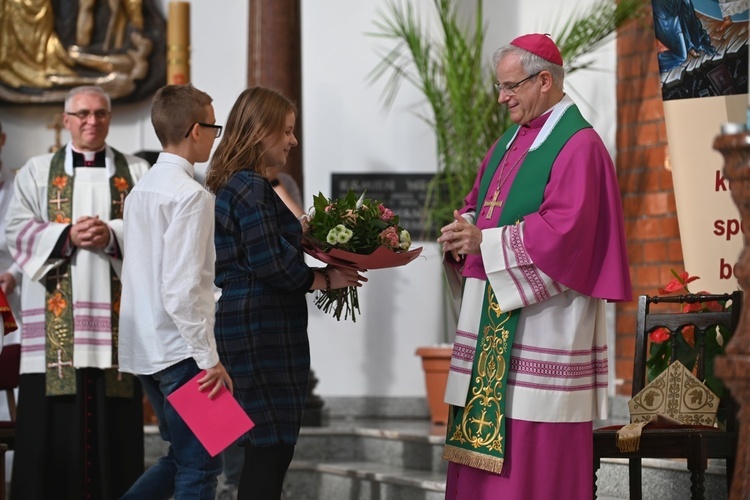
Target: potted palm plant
x=445 y=60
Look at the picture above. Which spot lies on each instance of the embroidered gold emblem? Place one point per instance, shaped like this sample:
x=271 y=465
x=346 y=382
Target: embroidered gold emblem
x=481 y=419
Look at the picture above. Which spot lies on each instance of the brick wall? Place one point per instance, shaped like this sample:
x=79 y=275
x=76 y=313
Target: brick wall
x=646 y=185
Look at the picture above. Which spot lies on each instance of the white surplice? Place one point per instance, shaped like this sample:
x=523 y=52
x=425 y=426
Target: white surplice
x=559 y=355
x=32 y=237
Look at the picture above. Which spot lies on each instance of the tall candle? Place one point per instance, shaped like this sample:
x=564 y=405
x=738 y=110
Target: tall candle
x=178 y=43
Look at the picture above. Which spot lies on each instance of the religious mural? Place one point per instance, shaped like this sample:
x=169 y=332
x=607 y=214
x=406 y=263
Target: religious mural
x=49 y=46
x=702 y=47
x=703 y=52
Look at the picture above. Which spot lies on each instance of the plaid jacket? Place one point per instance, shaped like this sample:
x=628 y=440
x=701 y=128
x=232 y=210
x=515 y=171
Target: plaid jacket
x=261 y=318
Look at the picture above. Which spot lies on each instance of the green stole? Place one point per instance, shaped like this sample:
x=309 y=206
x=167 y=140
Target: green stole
x=61 y=375
x=476 y=432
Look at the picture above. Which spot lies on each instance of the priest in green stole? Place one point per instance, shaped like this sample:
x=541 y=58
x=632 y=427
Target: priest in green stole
x=80 y=422
x=541 y=247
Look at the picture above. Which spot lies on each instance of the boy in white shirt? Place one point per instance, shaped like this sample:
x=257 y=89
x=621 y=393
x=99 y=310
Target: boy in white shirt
x=167 y=307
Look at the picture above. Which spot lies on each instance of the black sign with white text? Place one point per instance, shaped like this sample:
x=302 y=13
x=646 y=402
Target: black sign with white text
x=403 y=193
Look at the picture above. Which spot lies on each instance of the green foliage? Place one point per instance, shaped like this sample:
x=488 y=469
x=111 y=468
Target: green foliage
x=449 y=70
x=458 y=87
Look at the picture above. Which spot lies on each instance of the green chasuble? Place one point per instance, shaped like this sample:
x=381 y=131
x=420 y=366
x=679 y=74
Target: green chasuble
x=476 y=432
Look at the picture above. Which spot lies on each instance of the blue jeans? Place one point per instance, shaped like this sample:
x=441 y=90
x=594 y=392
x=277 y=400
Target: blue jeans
x=187 y=471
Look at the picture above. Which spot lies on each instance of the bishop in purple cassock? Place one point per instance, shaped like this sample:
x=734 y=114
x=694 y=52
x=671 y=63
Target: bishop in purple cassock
x=541 y=247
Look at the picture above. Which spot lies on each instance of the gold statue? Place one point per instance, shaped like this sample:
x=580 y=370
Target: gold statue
x=32 y=56
x=30 y=51
x=121 y=12
x=120 y=70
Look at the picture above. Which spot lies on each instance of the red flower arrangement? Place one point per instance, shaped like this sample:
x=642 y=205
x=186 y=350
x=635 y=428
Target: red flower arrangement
x=660 y=349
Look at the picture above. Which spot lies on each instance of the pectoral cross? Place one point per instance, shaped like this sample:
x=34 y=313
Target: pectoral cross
x=492 y=204
x=60 y=364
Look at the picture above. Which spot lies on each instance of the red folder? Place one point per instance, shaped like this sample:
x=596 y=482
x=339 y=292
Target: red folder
x=217 y=422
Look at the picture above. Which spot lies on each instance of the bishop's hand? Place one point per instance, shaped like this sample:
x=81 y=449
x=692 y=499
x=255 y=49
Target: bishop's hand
x=460 y=237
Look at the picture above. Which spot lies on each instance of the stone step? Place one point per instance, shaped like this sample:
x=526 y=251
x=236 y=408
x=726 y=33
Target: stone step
x=153 y=445
x=394 y=459
x=398 y=443
x=368 y=459
x=311 y=480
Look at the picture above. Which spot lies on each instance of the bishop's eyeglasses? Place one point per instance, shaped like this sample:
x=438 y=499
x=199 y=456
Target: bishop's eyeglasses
x=217 y=128
x=510 y=88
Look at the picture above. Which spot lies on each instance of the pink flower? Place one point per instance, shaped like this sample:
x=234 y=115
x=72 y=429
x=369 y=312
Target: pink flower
x=389 y=237
x=386 y=214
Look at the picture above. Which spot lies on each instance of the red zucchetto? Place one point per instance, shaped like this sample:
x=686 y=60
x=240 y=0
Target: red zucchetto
x=540 y=45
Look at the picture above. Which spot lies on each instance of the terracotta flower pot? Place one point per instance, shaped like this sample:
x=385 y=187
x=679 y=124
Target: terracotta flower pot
x=436 y=361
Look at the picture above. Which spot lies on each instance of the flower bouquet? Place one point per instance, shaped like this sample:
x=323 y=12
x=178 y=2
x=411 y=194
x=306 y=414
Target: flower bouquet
x=660 y=349
x=355 y=232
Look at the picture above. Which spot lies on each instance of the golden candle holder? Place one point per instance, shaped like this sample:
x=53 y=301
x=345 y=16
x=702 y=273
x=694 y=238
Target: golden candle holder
x=178 y=43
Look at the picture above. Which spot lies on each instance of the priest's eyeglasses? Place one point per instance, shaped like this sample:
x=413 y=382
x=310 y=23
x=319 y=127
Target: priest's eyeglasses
x=510 y=88
x=217 y=128
x=83 y=114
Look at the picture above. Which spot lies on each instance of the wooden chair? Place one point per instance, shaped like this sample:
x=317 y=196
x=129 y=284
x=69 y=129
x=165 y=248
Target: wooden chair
x=696 y=444
x=10 y=363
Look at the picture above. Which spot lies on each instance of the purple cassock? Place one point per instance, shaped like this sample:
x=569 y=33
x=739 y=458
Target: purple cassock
x=577 y=239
